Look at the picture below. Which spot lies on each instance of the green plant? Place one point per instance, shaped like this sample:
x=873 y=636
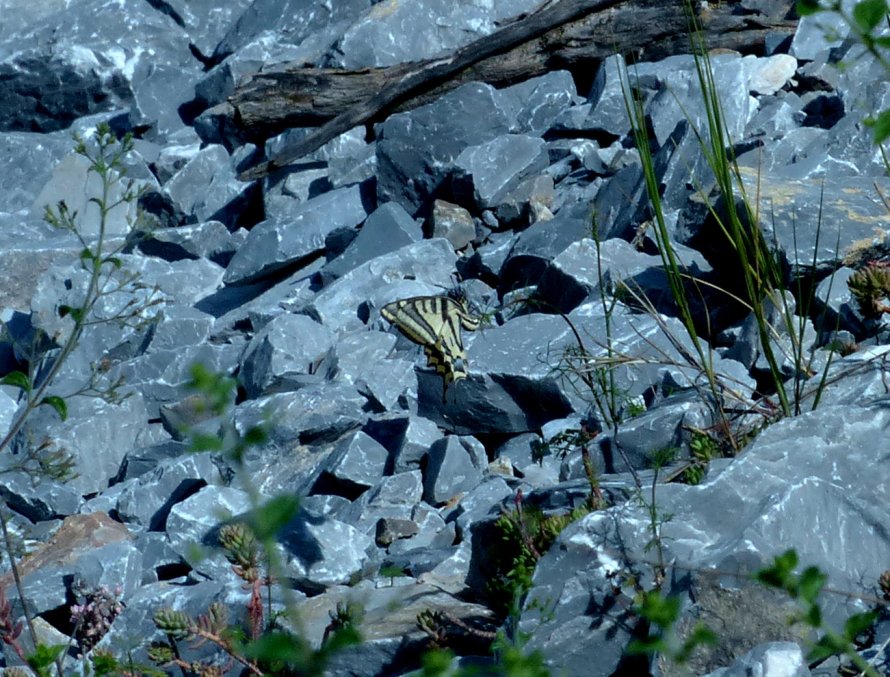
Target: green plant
x=806 y=588
x=249 y=545
x=524 y=534
x=663 y=613
x=703 y=449
x=104 y=277
x=870 y=286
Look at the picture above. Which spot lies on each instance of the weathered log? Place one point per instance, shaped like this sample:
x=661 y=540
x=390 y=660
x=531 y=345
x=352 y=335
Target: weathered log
x=570 y=34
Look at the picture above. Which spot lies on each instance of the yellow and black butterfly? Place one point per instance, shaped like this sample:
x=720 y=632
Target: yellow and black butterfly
x=435 y=322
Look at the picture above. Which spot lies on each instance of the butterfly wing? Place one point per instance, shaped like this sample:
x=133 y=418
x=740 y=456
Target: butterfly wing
x=435 y=323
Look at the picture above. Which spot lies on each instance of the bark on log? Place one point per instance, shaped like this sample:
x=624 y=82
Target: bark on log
x=569 y=34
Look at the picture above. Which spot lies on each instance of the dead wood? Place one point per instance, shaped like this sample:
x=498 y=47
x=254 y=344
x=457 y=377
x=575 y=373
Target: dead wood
x=569 y=34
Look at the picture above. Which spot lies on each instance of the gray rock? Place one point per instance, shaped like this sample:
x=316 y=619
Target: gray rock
x=97 y=436
x=452 y=222
x=426 y=267
x=73 y=181
x=201 y=191
x=487 y=173
x=28 y=163
x=324 y=552
x=841 y=205
x=356 y=464
x=415 y=149
x=776 y=659
x=482 y=501
x=316 y=413
x=291 y=21
x=288 y=353
x=452 y=470
x=796 y=477
x=411 y=32
x=387 y=228
x=538 y=245
x=147 y=501
x=574 y=276
x=360 y=361
x=389 y=624
x=274 y=244
x=407 y=437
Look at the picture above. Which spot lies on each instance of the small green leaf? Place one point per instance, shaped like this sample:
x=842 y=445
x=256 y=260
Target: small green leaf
x=255 y=436
x=828 y=645
x=18 y=380
x=811 y=583
x=87 y=254
x=205 y=442
x=813 y=616
x=859 y=623
x=278 y=646
x=880 y=126
x=807 y=7
x=436 y=663
x=58 y=404
x=114 y=261
x=780 y=574
x=647 y=645
x=868 y=14
x=663 y=611
x=882 y=41
x=76 y=314
x=273 y=515
x=43 y=658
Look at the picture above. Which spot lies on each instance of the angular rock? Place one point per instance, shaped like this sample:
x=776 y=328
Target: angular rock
x=274 y=244
x=288 y=353
x=451 y=471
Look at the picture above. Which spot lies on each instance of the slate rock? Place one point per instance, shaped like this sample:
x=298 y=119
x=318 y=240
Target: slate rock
x=797 y=474
x=73 y=181
x=390 y=623
x=136 y=620
x=433 y=532
x=452 y=470
x=573 y=276
x=289 y=352
x=484 y=174
x=425 y=266
x=28 y=163
x=97 y=436
x=324 y=552
x=415 y=149
x=387 y=228
x=425 y=30
x=316 y=413
x=356 y=464
x=407 y=437
x=274 y=244
x=147 y=501
x=806 y=241
x=292 y=20
x=40 y=498
x=360 y=361
x=538 y=245
x=201 y=191
x=78 y=546
x=392 y=497
x=389 y=530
